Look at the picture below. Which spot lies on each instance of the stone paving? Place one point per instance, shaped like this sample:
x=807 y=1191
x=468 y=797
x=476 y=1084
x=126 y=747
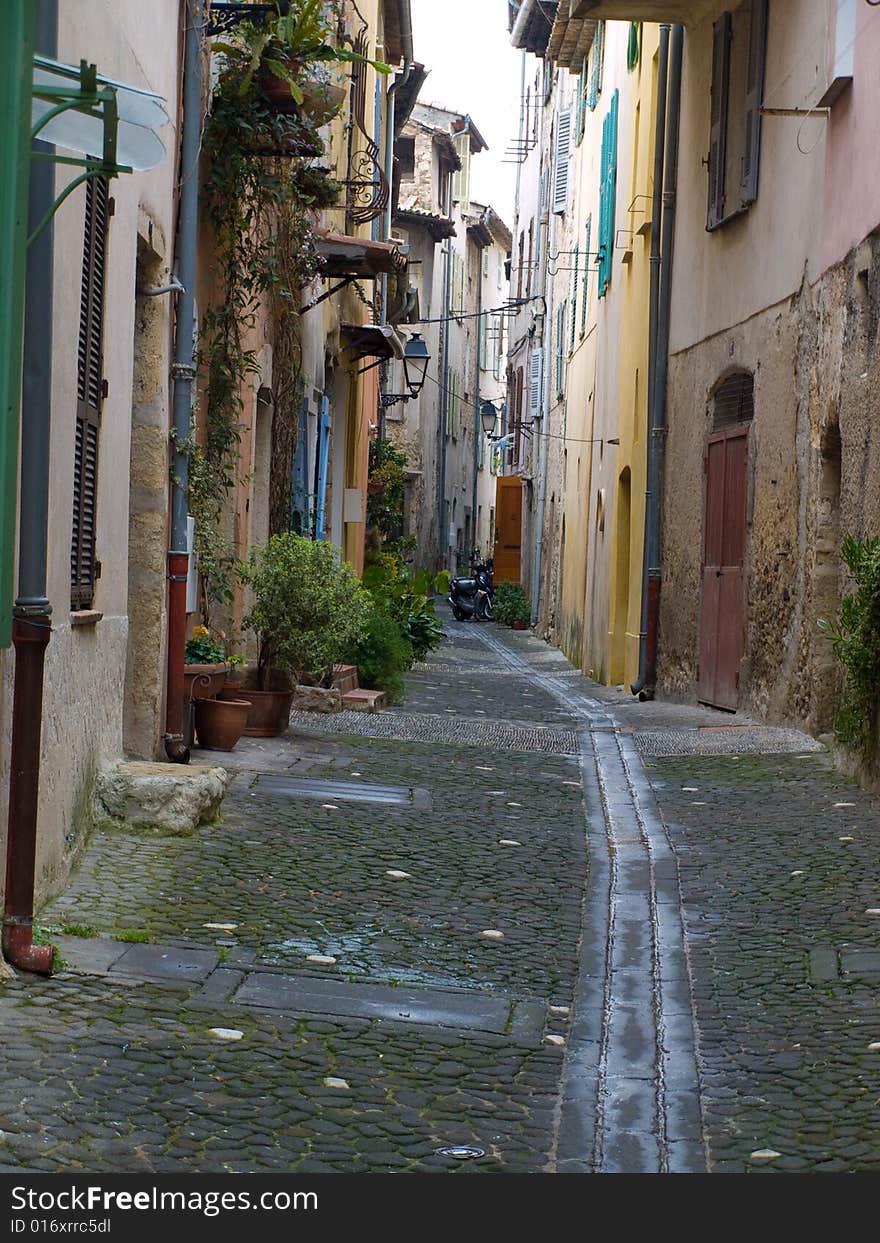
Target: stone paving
x=686 y=975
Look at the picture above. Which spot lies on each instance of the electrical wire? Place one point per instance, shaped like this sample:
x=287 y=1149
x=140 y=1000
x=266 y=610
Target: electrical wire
x=534 y=435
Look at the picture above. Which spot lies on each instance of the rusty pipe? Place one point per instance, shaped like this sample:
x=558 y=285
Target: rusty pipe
x=175 y=743
x=30 y=637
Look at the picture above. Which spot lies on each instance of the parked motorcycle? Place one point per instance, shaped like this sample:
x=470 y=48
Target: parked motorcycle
x=471 y=598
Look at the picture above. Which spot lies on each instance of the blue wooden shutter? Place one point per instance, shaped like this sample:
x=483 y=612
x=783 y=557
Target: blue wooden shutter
x=323 y=460
x=607 y=194
x=299 y=509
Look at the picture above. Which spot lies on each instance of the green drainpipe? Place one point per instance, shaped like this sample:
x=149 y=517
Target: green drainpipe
x=16 y=78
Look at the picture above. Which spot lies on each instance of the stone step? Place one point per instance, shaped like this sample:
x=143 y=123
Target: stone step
x=364 y=701
x=345 y=678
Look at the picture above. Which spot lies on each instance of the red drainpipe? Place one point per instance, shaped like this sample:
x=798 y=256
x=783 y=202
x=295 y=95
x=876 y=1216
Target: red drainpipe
x=30 y=639
x=175 y=742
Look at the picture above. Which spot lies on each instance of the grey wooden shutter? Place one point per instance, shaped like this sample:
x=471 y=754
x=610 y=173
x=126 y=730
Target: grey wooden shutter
x=754 y=99
x=536 y=379
x=89 y=393
x=563 y=149
x=718 y=127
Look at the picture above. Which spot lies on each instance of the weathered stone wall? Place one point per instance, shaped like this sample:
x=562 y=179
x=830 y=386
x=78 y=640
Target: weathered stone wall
x=814 y=475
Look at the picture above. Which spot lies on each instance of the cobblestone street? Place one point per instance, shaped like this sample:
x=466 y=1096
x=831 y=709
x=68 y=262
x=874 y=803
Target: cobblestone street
x=519 y=913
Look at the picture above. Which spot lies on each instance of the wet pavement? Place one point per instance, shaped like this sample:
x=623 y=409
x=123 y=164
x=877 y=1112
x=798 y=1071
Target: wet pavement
x=519 y=912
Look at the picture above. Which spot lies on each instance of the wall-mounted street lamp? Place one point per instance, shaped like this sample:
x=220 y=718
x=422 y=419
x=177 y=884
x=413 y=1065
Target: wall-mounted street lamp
x=415 y=370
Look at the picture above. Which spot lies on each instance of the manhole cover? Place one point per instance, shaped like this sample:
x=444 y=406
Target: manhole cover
x=344 y=791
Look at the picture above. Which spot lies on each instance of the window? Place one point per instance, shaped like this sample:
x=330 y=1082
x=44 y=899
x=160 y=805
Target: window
x=733 y=401
x=406 y=157
x=607 y=194
x=535 y=377
x=739 y=44
x=89 y=393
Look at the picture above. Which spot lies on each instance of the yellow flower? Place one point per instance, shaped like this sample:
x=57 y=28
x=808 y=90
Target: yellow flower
x=200 y=632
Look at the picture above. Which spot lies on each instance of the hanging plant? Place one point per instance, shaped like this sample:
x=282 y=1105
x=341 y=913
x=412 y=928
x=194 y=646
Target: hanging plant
x=261 y=195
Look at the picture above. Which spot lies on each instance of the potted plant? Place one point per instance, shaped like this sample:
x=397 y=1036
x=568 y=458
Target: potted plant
x=221 y=722
x=308 y=610
x=205 y=665
x=511 y=606
x=284 y=53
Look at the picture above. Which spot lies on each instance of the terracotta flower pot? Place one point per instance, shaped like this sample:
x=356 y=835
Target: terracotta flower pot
x=519 y=625
x=270 y=711
x=220 y=722
x=204 y=681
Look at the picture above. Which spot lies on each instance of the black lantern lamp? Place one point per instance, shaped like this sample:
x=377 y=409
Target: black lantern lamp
x=488 y=417
x=415 y=363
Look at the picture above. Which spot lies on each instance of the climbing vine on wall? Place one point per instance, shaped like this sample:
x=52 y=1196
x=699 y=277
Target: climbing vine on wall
x=261 y=194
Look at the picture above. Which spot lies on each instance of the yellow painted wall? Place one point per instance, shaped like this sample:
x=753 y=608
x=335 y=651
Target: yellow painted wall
x=635 y=171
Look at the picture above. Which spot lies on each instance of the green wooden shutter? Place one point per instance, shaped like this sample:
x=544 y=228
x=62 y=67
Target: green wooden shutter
x=754 y=99
x=597 y=57
x=580 y=111
x=90 y=392
x=574 y=298
x=718 y=119
x=607 y=195
x=586 y=285
x=560 y=349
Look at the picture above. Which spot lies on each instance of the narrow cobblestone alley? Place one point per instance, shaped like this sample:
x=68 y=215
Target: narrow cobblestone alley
x=478 y=919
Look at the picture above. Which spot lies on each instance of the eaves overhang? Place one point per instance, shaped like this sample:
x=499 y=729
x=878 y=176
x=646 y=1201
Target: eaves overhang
x=344 y=255
x=680 y=12
x=571 y=37
x=372 y=341
x=439 y=227
x=531 y=24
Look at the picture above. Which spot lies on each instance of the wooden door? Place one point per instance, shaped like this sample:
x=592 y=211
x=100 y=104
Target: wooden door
x=508 y=528
x=724 y=538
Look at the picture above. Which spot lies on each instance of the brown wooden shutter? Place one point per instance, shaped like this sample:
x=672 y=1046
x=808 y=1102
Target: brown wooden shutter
x=754 y=99
x=89 y=392
x=721 y=32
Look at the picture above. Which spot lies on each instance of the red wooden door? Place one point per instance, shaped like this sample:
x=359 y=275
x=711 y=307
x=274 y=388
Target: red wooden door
x=724 y=538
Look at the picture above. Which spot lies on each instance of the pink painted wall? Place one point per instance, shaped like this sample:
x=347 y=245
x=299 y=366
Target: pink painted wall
x=852 y=181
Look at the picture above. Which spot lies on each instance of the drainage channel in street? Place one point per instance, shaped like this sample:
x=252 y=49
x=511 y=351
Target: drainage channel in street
x=630 y=1095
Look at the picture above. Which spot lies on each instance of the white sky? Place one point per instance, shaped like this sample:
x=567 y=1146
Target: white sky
x=465 y=46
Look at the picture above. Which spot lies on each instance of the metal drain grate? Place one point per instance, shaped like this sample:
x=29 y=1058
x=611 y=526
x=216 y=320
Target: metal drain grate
x=343 y=791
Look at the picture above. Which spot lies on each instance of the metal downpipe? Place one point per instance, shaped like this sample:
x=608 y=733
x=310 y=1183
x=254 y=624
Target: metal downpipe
x=32 y=620
x=640 y=686
x=183 y=373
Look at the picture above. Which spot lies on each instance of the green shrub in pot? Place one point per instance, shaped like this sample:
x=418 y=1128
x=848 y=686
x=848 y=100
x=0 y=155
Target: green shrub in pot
x=308 y=609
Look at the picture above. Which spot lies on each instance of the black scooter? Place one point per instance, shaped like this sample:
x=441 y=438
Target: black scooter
x=471 y=598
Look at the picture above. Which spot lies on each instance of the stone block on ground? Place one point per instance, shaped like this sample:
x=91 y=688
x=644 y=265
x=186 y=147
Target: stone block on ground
x=364 y=700
x=164 y=798
x=317 y=699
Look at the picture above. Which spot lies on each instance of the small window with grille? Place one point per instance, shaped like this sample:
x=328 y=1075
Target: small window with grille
x=734 y=401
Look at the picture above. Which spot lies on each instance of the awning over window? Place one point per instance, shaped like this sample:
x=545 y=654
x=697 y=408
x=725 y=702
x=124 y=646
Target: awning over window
x=343 y=255
x=372 y=341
